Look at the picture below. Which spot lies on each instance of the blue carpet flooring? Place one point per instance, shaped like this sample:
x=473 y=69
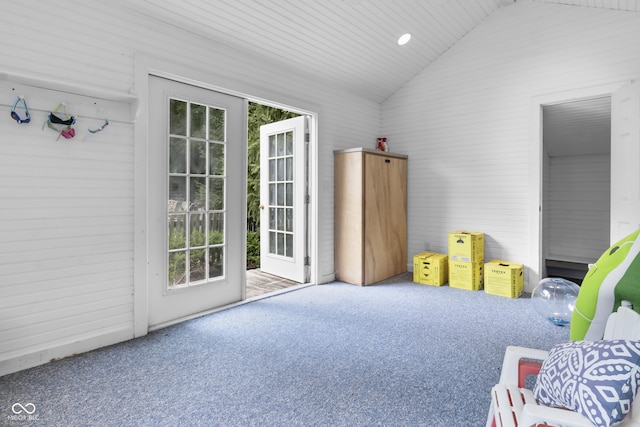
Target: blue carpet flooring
x=398 y=354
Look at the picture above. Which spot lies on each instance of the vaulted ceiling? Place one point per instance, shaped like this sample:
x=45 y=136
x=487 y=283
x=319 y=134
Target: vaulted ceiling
x=352 y=43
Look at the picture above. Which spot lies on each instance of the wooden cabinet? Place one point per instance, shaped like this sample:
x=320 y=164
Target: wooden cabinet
x=370 y=215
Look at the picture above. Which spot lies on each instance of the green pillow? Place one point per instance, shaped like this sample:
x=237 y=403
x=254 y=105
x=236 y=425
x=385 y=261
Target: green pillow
x=615 y=277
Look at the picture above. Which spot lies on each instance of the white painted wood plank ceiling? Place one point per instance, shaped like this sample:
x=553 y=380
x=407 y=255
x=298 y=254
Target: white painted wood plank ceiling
x=352 y=43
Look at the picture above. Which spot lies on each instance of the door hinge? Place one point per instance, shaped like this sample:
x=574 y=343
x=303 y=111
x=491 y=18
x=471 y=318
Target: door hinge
x=307 y=199
x=307 y=260
x=307 y=137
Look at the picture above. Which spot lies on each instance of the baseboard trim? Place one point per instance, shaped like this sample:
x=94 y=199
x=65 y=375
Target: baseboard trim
x=43 y=356
x=327 y=278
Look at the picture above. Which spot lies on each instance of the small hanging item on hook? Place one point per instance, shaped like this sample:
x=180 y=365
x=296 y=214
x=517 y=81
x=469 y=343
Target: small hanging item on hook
x=66 y=121
x=97 y=130
x=14 y=114
x=101 y=128
x=91 y=131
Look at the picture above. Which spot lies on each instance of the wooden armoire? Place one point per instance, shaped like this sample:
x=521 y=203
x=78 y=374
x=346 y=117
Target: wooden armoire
x=370 y=215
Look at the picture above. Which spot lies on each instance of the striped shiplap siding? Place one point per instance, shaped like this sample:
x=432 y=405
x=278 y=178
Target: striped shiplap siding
x=629 y=5
x=577 y=207
x=465 y=120
x=66 y=223
x=67 y=233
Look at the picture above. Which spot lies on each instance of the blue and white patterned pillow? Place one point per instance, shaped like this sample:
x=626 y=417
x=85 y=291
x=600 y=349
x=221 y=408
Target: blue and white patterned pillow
x=598 y=379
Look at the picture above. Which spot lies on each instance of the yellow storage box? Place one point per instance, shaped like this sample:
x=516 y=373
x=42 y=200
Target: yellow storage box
x=465 y=275
x=504 y=278
x=467 y=246
x=430 y=268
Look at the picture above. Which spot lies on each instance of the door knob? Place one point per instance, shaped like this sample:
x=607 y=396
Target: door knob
x=261 y=206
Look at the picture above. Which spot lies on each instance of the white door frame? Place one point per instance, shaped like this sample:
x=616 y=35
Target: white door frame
x=313 y=248
x=625 y=179
x=144 y=67
x=536 y=261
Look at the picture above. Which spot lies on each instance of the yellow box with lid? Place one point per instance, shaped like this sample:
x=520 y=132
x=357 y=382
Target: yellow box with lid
x=504 y=278
x=466 y=275
x=467 y=246
x=430 y=268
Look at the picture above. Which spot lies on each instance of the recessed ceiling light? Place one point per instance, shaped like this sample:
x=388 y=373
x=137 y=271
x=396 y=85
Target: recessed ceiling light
x=404 y=39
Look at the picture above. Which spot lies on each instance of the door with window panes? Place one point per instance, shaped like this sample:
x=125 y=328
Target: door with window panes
x=195 y=199
x=283 y=194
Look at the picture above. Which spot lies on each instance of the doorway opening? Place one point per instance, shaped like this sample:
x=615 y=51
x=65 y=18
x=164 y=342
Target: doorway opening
x=576 y=185
x=261 y=280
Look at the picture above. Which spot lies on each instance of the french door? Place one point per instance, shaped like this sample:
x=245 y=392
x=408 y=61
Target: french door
x=283 y=195
x=197 y=140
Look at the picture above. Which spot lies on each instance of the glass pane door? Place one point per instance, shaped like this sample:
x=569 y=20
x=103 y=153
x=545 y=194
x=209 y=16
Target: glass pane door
x=281 y=194
x=283 y=232
x=196 y=205
x=196 y=193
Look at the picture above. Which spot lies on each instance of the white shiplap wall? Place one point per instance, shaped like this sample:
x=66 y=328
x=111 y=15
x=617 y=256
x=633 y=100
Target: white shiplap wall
x=465 y=121
x=67 y=231
x=66 y=223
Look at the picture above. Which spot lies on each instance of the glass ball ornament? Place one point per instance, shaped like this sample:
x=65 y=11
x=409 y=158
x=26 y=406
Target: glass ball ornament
x=554 y=299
